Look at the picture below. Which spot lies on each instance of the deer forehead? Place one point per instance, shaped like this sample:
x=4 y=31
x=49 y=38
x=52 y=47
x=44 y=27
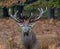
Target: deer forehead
x=26 y=27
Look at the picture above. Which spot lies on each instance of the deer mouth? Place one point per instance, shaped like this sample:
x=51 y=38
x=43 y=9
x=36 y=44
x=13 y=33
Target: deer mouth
x=26 y=34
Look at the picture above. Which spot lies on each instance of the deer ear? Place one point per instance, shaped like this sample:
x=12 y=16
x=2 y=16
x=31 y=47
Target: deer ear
x=32 y=24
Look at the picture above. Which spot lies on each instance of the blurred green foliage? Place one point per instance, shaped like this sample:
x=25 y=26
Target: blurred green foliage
x=30 y=6
x=43 y=3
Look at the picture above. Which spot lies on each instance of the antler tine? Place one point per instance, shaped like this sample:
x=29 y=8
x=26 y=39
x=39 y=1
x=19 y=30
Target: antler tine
x=14 y=16
x=45 y=9
x=31 y=13
x=10 y=12
x=39 y=9
x=31 y=18
x=41 y=12
x=15 y=13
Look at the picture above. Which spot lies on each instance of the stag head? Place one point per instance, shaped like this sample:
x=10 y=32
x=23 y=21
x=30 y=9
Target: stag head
x=26 y=25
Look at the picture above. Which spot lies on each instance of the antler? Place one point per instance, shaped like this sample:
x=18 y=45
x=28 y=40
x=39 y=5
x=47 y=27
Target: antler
x=14 y=16
x=38 y=16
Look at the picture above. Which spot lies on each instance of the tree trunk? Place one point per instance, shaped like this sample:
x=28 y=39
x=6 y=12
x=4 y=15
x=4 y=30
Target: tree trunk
x=51 y=12
x=51 y=16
x=5 y=12
x=59 y=13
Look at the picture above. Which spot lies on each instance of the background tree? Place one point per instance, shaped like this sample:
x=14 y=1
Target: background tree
x=32 y=5
x=51 y=4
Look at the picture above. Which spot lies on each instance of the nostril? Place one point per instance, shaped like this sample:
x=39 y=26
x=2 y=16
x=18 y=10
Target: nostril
x=26 y=34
